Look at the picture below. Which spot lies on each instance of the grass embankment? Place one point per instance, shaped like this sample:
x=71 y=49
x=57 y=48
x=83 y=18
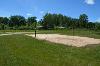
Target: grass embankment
x=21 y=50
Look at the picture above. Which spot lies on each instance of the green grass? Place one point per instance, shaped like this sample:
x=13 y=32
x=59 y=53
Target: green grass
x=76 y=32
x=21 y=50
x=2 y=32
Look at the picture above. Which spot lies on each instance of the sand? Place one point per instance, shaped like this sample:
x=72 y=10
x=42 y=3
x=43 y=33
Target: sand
x=67 y=40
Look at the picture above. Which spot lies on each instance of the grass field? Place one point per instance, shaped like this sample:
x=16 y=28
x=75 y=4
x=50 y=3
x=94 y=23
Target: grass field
x=21 y=50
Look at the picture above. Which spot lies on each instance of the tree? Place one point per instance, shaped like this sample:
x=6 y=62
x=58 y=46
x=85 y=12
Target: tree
x=48 y=21
x=90 y=25
x=83 y=20
x=40 y=22
x=1 y=20
x=5 y=20
x=1 y=23
x=17 y=21
x=58 y=20
x=31 y=20
x=97 y=26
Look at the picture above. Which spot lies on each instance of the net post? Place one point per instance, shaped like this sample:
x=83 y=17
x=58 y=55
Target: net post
x=35 y=28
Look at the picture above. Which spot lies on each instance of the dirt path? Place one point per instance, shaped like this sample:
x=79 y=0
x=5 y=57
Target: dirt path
x=67 y=40
x=12 y=33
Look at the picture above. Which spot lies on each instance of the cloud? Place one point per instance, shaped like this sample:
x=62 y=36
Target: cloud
x=41 y=12
x=29 y=14
x=90 y=2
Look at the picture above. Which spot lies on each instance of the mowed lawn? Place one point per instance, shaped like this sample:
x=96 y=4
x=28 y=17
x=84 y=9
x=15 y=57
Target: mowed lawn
x=21 y=50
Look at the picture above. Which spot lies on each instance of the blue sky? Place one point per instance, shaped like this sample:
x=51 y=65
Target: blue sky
x=38 y=8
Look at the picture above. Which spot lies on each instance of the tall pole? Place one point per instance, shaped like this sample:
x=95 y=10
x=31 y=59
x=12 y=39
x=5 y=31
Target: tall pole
x=35 y=28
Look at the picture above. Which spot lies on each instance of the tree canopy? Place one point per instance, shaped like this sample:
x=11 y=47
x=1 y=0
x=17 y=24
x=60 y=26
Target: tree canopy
x=49 y=21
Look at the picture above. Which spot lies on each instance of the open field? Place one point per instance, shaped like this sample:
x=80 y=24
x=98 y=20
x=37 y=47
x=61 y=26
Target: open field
x=22 y=50
x=49 y=33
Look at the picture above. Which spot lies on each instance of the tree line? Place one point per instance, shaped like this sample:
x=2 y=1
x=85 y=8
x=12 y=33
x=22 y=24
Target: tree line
x=49 y=21
x=17 y=22
x=59 y=20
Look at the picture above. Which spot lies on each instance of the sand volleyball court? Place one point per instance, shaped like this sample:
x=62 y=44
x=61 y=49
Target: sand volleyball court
x=67 y=40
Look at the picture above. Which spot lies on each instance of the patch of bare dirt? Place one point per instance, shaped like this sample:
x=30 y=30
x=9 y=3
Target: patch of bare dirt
x=67 y=40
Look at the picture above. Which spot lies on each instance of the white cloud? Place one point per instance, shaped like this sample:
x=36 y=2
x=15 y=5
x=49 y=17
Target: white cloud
x=90 y=2
x=29 y=14
x=41 y=12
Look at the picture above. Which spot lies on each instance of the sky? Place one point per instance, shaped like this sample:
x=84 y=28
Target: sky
x=38 y=8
